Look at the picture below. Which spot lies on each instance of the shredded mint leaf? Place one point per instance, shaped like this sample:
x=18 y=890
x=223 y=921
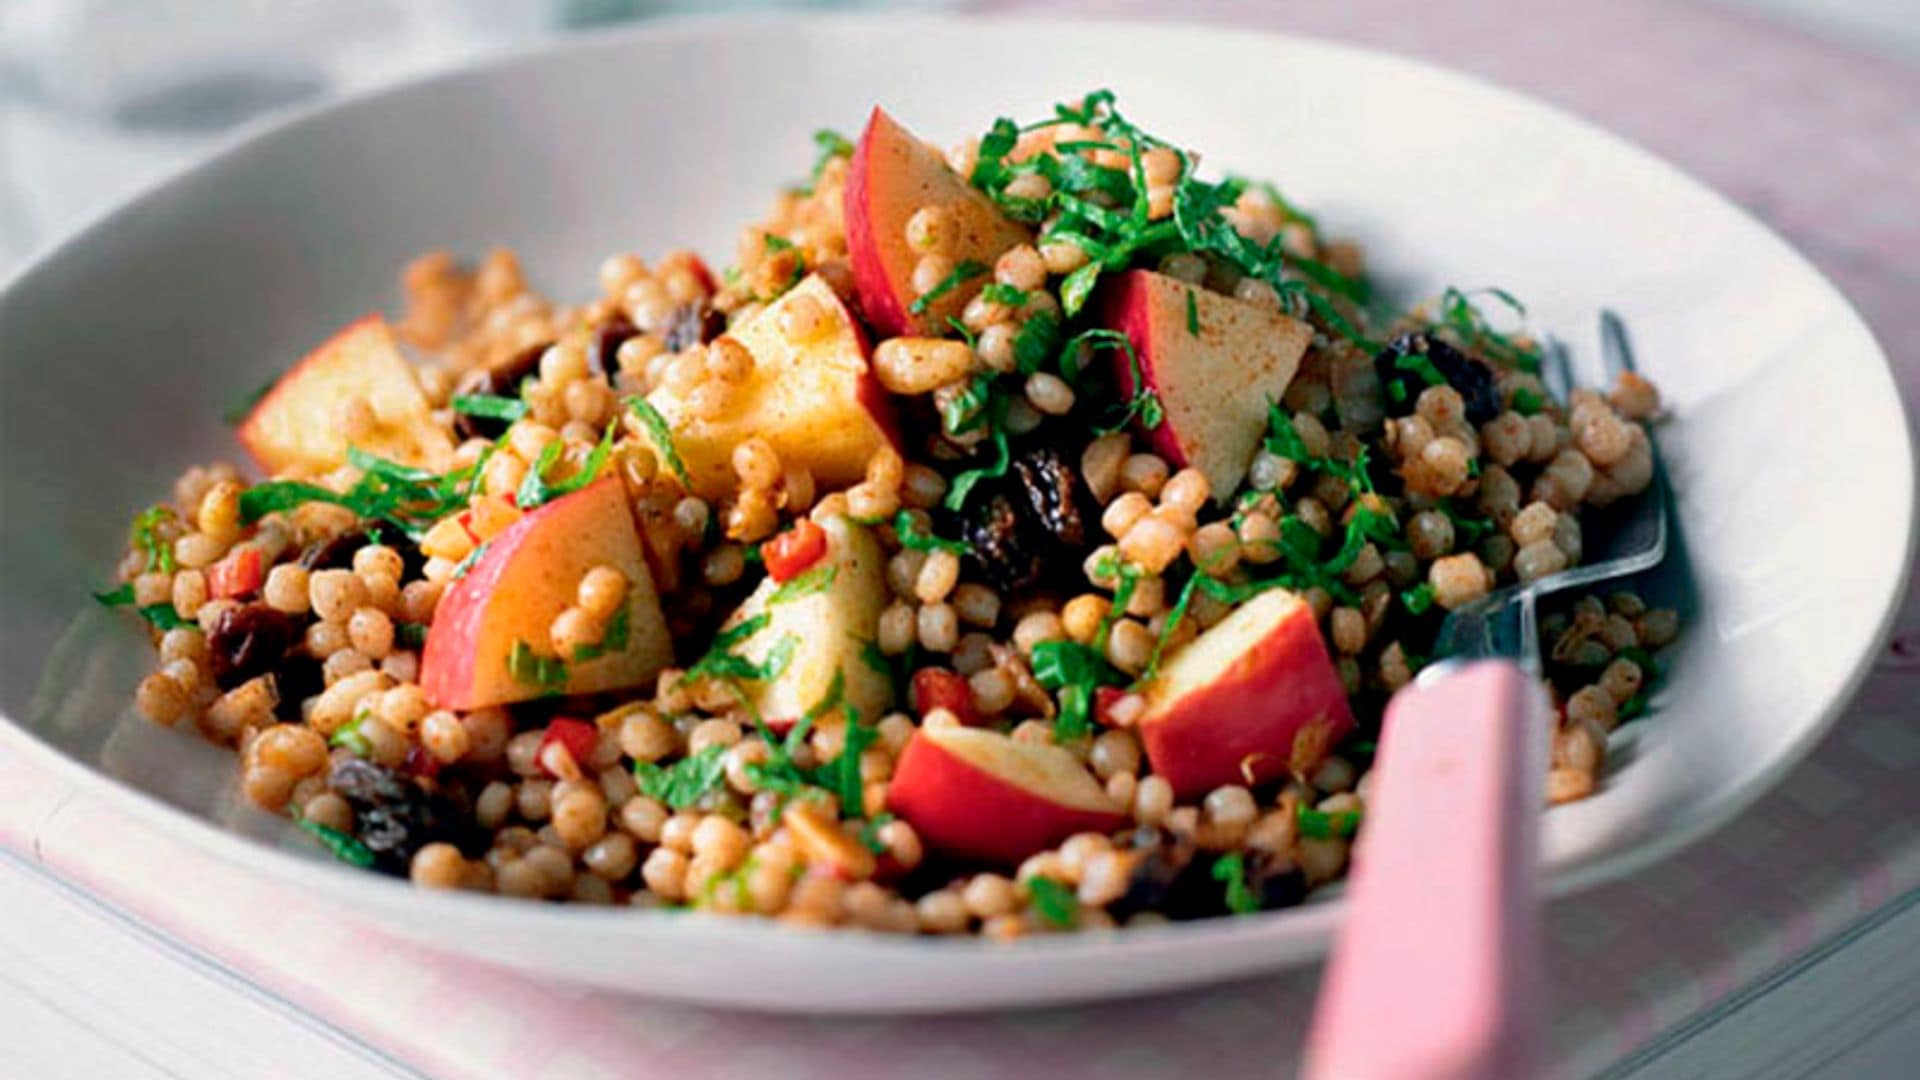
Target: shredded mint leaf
x=1077 y=287
x=906 y=527
x=146 y=537
x=829 y=144
x=1001 y=293
x=1526 y=402
x=118 y=597
x=1231 y=869
x=348 y=849
x=411 y=635
x=870 y=832
x=613 y=641
x=1459 y=315
x=529 y=668
x=537 y=490
x=1418 y=599
x=966 y=271
x=490 y=406
x=1320 y=825
x=661 y=433
x=813 y=580
x=686 y=781
x=1053 y=901
x=1074 y=671
x=410 y=499
x=1193 y=314
x=1037 y=341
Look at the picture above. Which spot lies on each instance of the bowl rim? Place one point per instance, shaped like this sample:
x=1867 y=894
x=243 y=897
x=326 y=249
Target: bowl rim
x=1314 y=921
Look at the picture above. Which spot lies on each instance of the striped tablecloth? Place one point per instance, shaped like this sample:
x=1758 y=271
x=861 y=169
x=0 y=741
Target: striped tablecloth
x=1821 y=140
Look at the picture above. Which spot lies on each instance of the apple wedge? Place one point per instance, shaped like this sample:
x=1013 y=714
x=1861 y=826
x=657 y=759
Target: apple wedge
x=294 y=427
x=1252 y=699
x=979 y=795
x=489 y=642
x=816 y=400
x=824 y=621
x=1213 y=361
x=893 y=174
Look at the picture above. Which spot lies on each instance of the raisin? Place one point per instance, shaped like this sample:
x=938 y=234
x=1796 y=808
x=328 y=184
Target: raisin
x=298 y=678
x=602 y=352
x=1053 y=496
x=336 y=552
x=396 y=815
x=693 y=324
x=1472 y=377
x=1277 y=882
x=247 y=641
x=991 y=526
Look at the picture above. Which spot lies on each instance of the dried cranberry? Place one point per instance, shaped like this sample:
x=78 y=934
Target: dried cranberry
x=248 y=640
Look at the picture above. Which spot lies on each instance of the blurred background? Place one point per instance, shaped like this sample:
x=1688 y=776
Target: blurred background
x=98 y=97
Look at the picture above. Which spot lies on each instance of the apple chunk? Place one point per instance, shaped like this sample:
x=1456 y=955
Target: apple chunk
x=892 y=175
x=1253 y=698
x=1213 y=361
x=979 y=795
x=295 y=428
x=815 y=398
x=490 y=644
x=824 y=620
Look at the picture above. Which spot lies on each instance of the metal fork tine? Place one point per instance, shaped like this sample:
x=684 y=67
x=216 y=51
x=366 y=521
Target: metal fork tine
x=1557 y=372
x=1615 y=346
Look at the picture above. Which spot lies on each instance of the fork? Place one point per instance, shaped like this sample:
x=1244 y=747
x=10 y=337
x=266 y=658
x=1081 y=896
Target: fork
x=1436 y=970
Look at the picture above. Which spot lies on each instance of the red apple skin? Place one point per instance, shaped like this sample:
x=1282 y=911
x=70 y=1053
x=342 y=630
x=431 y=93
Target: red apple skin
x=964 y=811
x=1275 y=708
x=1214 y=384
x=525 y=578
x=892 y=174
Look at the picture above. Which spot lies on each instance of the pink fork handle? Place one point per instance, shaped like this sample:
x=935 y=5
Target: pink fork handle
x=1435 y=971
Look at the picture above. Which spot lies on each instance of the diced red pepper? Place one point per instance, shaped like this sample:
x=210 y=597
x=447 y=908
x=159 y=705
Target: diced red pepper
x=1103 y=699
x=237 y=575
x=938 y=688
x=579 y=737
x=790 y=553
x=421 y=763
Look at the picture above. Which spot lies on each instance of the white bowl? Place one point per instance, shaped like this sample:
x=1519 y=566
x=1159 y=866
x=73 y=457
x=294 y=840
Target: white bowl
x=119 y=350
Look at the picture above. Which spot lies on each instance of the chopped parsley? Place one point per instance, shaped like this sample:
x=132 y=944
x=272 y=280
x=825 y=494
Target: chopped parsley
x=1053 y=901
x=661 y=434
x=1527 y=401
x=1037 y=341
x=1193 y=314
x=1002 y=293
x=161 y=616
x=966 y=271
x=1467 y=323
x=146 y=537
x=350 y=737
x=721 y=662
x=686 y=781
x=1231 y=869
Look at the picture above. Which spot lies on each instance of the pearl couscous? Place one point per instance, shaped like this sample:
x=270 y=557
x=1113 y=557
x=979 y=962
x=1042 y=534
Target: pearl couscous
x=1016 y=538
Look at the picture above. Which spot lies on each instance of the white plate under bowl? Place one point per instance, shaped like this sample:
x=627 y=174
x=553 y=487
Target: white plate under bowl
x=120 y=349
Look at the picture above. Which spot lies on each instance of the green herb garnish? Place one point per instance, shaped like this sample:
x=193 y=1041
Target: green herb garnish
x=348 y=849
x=1004 y=294
x=1053 y=901
x=490 y=406
x=686 y=781
x=146 y=537
x=813 y=580
x=1075 y=671
x=1231 y=869
x=1527 y=402
x=409 y=499
x=1418 y=599
x=907 y=528
x=829 y=144
x=1193 y=314
x=1321 y=825
x=966 y=271
x=529 y=668
x=613 y=641
x=661 y=434
x=537 y=490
